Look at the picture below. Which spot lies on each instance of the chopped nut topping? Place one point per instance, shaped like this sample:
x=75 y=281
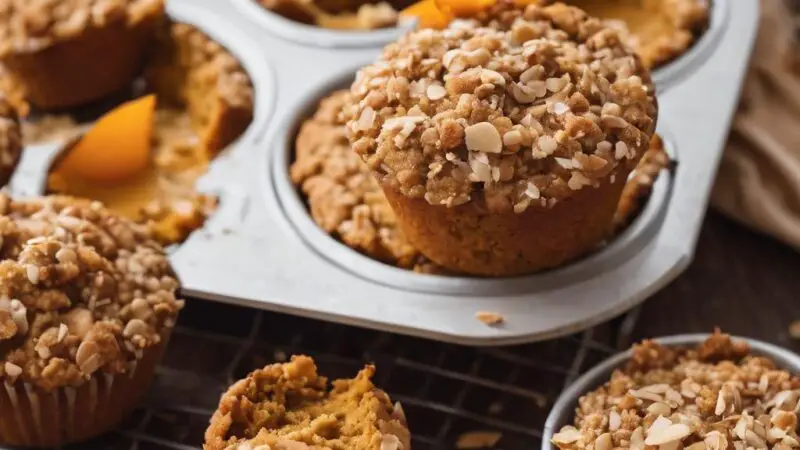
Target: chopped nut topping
x=715 y=396
x=552 y=88
x=72 y=317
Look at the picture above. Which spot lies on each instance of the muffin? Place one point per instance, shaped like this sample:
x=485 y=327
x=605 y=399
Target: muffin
x=192 y=71
x=290 y=407
x=10 y=140
x=659 y=30
x=715 y=396
x=70 y=52
x=87 y=305
x=504 y=152
x=205 y=102
x=347 y=202
x=338 y=14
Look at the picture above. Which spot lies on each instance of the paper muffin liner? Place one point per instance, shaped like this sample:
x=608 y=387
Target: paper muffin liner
x=33 y=417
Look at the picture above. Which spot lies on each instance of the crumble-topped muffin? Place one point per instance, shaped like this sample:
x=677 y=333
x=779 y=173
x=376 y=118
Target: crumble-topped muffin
x=660 y=30
x=10 y=140
x=337 y=14
x=291 y=407
x=347 y=202
x=485 y=140
x=715 y=396
x=70 y=52
x=205 y=102
x=639 y=187
x=87 y=304
x=344 y=199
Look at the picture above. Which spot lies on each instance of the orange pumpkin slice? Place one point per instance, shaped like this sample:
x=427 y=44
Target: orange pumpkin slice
x=429 y=15
x=463 y=8
x=118 y=145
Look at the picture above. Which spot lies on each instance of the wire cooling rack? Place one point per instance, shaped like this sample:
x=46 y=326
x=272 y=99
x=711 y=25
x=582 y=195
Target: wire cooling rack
x=446 y=390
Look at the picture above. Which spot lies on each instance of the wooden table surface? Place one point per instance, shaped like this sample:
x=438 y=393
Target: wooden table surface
x=742 y=281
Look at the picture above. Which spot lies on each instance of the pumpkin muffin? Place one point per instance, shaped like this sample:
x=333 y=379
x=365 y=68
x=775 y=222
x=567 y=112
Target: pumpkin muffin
x=714 y=396
x=347 y=202
x=10 y=140
x=205 y=102
x=291 y=407
x=658 y=30
x=70 y=52
x=338 y=14
x=504 y=152
x=87 y=304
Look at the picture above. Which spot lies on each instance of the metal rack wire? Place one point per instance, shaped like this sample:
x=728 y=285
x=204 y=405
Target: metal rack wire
x=446 y=390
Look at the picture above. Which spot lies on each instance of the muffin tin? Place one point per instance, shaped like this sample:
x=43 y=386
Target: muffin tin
x=563 y=410
x=261 y=248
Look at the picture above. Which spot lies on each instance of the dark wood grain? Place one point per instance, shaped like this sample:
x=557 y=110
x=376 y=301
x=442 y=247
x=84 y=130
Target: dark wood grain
x=741 y=281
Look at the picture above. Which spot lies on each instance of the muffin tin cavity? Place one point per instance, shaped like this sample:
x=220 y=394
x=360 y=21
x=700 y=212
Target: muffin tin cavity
x=389 y=264
x=290 y=26
x=213 y=90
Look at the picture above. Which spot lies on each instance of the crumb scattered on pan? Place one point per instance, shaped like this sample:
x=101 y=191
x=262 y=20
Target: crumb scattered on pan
x=489 y=318
x=478 y=439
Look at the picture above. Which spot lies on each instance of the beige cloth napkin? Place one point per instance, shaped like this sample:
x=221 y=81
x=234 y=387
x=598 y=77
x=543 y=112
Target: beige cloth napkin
x=759 y=179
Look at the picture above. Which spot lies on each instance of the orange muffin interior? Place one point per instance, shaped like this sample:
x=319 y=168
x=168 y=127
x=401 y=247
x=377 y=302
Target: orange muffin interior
x=205 y=102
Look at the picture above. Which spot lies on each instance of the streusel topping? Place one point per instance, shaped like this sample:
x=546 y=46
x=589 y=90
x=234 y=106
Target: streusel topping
x=344 y=199
x=716 y=396
x=32 y=25
x=527 y=115
x=10 y=139
x=83 y=291
x=291 y=407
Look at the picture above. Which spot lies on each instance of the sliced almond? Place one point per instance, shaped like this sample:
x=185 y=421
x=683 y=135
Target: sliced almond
x=567 y=435
x=674 y=432
x=483 y=137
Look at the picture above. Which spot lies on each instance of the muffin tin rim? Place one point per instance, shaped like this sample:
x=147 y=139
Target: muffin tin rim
x=563 y=409
x=632 y=240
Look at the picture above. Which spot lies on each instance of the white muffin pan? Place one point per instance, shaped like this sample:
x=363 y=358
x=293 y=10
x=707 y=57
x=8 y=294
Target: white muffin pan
x=261 y=249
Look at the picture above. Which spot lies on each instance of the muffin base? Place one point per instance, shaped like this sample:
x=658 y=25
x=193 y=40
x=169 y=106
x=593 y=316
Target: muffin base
x=33 y=417
x=71 y=72
x=471 y=240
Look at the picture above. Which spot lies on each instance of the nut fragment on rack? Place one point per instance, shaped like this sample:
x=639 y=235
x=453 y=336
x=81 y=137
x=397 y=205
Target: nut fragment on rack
x=290 y=406
x=715 y=396
x=794 y=329
x=478 y=440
